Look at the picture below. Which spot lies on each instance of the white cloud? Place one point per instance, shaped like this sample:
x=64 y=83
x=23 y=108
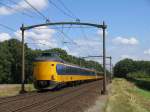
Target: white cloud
x=42 y=37
x=126 y=41
x=147 y=52
x=88 y=43
x=4 y=36
x=85 y=47
x=21 y=6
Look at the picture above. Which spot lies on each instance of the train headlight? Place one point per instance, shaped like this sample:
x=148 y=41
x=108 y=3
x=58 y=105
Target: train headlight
x=52 y=77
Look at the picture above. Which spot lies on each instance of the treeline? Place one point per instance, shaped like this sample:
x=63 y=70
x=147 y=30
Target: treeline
x=130 y=68
x=10 y=61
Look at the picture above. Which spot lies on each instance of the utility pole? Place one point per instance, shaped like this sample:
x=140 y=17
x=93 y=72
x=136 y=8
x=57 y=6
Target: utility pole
x=23 y=63
x=104 y=59
x=80 y=62
x=110 y=69
x=104 y=67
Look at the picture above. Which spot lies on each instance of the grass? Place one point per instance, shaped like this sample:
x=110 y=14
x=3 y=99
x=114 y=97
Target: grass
x=13 y=89
x=126 y=97
x=143 y=93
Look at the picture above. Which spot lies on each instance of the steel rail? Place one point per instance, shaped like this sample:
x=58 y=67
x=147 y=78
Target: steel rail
x=48 y=100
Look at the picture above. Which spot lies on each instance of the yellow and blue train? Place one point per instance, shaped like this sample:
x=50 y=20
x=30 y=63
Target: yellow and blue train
x=51 y=71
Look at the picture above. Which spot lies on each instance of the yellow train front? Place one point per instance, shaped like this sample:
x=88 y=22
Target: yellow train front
x=52 y=72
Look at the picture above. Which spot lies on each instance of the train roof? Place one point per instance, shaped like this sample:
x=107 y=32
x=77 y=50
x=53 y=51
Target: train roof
x=49 y=57
x=76 y=66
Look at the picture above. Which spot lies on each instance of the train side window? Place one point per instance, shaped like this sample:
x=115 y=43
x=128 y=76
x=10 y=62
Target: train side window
x=76 y=71
x=64 y=70
x=90 y=73
x=72 y=72
x=67 y=70
x=79 y=71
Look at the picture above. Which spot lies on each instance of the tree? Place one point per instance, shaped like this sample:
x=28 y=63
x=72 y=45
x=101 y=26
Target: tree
x=14 y=47
x=11 y=64
x=123 y=67
x=5 y=63
x=10 y=61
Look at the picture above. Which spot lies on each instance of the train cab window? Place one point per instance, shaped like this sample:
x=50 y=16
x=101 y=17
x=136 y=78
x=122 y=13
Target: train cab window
x=60 y=69
x=46 y=54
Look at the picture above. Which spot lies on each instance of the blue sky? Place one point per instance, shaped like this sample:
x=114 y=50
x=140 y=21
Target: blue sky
x=127 y=34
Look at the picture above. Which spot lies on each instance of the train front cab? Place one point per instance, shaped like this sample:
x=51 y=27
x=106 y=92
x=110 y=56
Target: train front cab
x=44 y=74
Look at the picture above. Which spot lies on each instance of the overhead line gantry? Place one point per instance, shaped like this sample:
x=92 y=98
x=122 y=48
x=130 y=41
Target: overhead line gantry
x=24 y=28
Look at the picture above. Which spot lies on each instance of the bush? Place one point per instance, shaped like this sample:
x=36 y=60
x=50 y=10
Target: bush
x=138 y=74
x=129 y=66
x=140 y=79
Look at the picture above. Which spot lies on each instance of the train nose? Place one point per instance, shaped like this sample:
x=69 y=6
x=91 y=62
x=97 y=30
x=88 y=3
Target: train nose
x=42 y=71
x=41 y=84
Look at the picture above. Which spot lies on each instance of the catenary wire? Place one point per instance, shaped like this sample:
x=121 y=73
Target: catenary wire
x=23 y=13
x=73 y=15
x=35 y=9
x=15 y=3
x=52 y=3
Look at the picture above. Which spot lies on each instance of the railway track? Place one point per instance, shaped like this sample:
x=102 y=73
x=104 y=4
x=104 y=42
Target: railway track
x=17 y=97
x=22 y=97
x=47 y=101
x=65 y=101
x=68 y=98
x=52 y=103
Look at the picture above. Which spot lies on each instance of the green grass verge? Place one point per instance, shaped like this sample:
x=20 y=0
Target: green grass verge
x=126 y=97
x=143 y=93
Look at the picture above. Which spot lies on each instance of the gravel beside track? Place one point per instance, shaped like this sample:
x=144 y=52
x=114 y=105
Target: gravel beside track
x=65 y=100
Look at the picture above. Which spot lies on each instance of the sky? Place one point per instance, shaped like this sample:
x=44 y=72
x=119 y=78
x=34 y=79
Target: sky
x=127 y=35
